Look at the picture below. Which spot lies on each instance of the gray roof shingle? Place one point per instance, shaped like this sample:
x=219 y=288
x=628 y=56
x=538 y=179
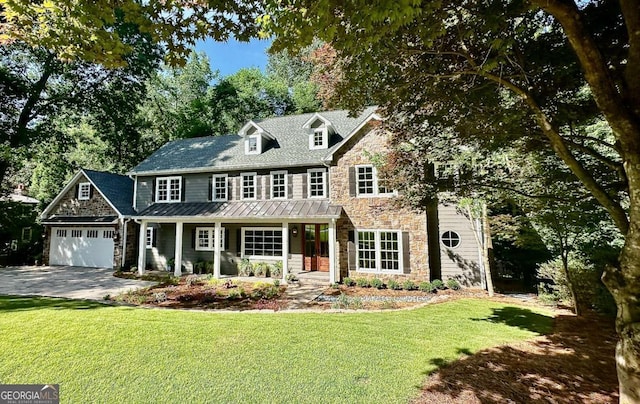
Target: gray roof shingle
x=290 y=147
x=118 y=189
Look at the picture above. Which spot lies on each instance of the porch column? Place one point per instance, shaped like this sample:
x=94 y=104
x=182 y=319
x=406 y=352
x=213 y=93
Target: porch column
x=177 y=270
x=285 y=251
x=216 y=248
x=333 y=269
x=142 y=248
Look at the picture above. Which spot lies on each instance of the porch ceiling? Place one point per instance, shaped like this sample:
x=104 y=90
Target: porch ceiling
x=270 y=209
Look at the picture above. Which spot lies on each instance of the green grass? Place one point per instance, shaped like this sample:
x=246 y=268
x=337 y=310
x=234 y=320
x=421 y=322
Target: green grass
x=121 y=354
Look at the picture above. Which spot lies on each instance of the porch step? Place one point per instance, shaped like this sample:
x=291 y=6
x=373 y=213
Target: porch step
x=313 y=278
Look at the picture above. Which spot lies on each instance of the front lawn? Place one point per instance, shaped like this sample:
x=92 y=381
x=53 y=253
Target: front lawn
x=102 y=353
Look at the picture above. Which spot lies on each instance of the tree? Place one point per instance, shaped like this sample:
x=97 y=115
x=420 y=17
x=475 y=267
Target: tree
x=82 y=31
x=490 y=68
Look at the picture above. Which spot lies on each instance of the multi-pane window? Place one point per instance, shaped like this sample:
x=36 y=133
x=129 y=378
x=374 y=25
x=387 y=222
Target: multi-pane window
x=261 y=242
x=317 y=183
x=92 y=233
x=84 y=191
x=168 y=189
x=149 y=237
x=219 y=188
x=318 y=138
x=450 y=239
x=205 y=237
x=252 y=144
x=27 y=233
x=278 y=184
x=366 y=250
x=368 y=182
x=249 y=186
x=379 y=250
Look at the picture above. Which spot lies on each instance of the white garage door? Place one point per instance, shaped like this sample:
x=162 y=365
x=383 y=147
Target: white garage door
x=82 y=247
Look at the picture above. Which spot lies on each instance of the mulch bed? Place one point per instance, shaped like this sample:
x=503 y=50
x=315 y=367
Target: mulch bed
x=574 y=364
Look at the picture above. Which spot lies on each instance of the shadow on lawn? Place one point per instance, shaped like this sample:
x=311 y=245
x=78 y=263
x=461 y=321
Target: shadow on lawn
x=573 y=364
x=521 y=318
x=23 y=303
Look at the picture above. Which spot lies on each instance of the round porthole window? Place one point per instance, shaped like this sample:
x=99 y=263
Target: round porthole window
x=450 y=239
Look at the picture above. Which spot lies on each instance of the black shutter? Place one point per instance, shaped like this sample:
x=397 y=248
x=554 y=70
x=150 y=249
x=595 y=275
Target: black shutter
x=406 y=261
x=77 y=191
x=193 y=239
x=267 y=187
x=351 y=251
x=238 y=241
x=289 y=186
x=305 y=178
x=182 y=191
x=90 y=191
x=258 y=182
x=210 y=195
x=352 y=182
x=229 y=182
x=154 y=237
x=226 y=238
x=153 y=189
x=237 y=181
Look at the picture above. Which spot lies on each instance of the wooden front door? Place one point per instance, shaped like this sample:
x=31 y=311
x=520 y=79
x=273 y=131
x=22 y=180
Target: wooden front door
x=315 y=245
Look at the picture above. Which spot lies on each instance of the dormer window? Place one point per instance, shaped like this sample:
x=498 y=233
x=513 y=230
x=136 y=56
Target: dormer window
x=319 y=130
x=253 y=144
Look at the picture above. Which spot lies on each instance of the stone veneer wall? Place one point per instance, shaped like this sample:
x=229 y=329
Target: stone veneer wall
x=373 y=212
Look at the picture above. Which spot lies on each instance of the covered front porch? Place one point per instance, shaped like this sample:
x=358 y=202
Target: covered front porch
x=221 y=238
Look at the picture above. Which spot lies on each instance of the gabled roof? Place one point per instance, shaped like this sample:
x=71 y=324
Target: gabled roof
x=259 y=129
x=116 y=189
x=290 y=148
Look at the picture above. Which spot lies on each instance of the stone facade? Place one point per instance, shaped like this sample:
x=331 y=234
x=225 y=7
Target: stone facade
x=380 y=212
x=96 y=205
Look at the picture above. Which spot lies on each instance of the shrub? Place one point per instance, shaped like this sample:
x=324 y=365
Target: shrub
x=208 y=266
x=291 y=278
x=408 y=285
x=335 y=285
x=393 y=284
x=271 y=292
x=261 y=269
x=233 y=294
x=377 y=283
x=245 y=268
x=346 y=302
x=453 y=284
x=275 y=270
x=106 y=297
x=199 y=267
x=362 y=282
x=160 y=297
x=348 y=281
x=276 y=282
x=192 y=280
x=426 y=287
x=438 y=284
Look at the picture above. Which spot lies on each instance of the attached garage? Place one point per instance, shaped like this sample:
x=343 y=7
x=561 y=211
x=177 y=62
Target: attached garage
x=82 y=246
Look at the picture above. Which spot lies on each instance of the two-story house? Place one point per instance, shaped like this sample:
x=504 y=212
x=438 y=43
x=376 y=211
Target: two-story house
x=299 y=189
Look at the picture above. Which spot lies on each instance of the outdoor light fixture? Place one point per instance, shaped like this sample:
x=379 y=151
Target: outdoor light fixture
x=116 y=236
x=294 y=231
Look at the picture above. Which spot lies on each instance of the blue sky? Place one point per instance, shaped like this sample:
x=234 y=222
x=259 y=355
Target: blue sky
x=229 y=57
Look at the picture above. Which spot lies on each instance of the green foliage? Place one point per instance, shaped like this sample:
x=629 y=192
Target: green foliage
x=245 y=267
x=393 y=284
x=347 y=302
x=276 y=282
x=438 y=284
x=275 y=270
x=426 y=287
x=408 y=284
x=160 y=297
x=453 y=284
x=193 y=280
x=261 y=269
x=362 y=282
x=348 y=281
x=377 y=283
x=291 y=278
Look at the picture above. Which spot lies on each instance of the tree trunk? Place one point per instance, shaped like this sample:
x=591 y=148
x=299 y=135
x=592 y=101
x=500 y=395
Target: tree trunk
x=577 y=307
x=486 y=246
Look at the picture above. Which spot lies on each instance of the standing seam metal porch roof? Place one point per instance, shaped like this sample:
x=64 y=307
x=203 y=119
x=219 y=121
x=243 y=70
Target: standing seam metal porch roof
x=218 y=153
x=270 y=209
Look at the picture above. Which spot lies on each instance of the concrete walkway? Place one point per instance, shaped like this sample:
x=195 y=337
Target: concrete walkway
x=301 y=295
x=61 y=281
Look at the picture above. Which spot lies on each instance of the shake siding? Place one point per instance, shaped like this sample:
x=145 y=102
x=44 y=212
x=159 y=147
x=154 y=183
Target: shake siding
x=460 y=262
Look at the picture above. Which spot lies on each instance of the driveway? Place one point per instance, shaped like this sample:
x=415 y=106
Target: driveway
x=61 y=281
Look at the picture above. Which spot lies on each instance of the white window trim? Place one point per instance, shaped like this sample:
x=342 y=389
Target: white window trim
x=378 y=250
x=324 y=183
x=169 y=179
x=451 y=231
x=149 y=237
x=325 y=138
x=255 y=186
x=82 y=185
x=28 y=230
x=376 y=189
x=226 y=187
x=211 y=234
x=258 y=138
x=261 y=257
x=286 y=184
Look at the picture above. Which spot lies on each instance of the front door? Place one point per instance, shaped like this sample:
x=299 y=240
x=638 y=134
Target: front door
x=315 y=244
